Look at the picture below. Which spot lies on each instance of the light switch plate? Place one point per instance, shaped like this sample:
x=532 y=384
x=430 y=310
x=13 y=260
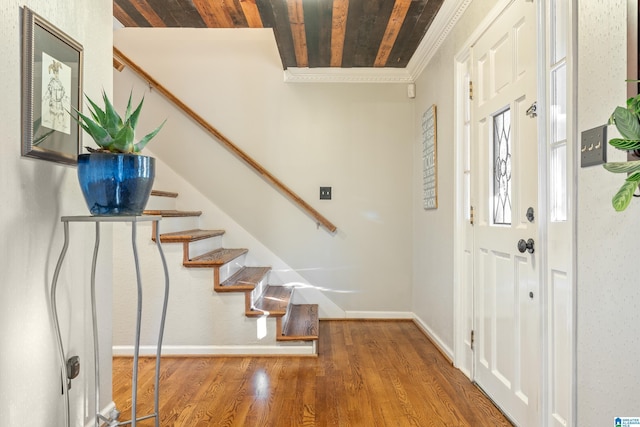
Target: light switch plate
x=593 y=146
x=325 y=193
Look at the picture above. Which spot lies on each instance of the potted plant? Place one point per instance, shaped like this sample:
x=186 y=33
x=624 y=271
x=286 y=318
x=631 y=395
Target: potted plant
x=115 y=179
x=627 y=121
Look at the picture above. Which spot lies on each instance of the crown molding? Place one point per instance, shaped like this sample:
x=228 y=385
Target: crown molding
x=450 y=12
x=347 y=75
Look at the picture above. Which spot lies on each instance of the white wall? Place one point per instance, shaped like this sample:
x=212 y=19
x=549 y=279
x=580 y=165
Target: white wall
x=356 y=138
x=433 y=230
x=608 y=289
x=35 y=195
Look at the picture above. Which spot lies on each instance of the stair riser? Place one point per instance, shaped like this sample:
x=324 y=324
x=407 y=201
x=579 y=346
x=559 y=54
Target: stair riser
x=259 y=290
x=200 y=247
x=169 y=225
x=230 y=268
x=161 y=203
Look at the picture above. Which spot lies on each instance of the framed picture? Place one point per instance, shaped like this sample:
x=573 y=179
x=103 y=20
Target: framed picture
x=429 y=159
x=51 y=90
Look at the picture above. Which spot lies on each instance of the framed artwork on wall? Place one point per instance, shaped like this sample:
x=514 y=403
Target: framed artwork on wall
x=51 y=90
x=429 y=159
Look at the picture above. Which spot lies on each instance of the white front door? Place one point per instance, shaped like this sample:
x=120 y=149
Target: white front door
x=504 y=187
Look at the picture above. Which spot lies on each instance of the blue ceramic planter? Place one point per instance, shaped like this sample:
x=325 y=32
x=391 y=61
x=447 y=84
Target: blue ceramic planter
x=116 y=184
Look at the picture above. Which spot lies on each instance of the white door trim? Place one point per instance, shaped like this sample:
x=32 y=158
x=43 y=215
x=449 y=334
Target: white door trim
x=459 y=333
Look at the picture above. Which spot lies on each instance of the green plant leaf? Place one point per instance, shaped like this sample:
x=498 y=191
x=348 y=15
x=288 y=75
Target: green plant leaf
x=108 y=130
x=143 y=142
x=96 y=112
x=133 y=118
x=113 y=122
x=623 y=167
x=624 y=195
x=627 y=123
x=625 y=144
x=97 y=132
x=633 y=105
x=127 y=112
x=123 y=141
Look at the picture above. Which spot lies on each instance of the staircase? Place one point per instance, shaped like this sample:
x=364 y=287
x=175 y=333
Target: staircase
x=294 y=322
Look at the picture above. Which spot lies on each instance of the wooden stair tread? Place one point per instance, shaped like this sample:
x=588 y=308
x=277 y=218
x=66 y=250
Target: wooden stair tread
x=245 y=279
x=273 y=302
x=172 y=213
x=189 y=235
x=215 y=258
x=160 y=193
x=302 y=324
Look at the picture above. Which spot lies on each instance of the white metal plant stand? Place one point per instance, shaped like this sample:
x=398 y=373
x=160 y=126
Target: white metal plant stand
x=134 y=220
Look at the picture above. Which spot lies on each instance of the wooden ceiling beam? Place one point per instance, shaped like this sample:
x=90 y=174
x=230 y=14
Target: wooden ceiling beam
x=127 y=15
x=398 y=15
x=275 y=14
x=419 y=17
x=338 y=31
x=208 y=13
x=377 y=15
x=149 y=14
x=317 y=23
x=236 y=14
x=296 y=20
x=251 y=13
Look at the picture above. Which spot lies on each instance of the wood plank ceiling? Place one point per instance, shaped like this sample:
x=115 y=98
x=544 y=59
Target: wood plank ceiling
x=309 y=33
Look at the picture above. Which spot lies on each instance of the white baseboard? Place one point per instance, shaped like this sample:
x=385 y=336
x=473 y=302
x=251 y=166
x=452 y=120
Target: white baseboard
x=105 y=412
x=379 y=315
x=448 y=352
x=285 y=349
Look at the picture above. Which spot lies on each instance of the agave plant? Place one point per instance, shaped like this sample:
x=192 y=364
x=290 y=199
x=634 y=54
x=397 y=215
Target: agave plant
x=627 y=121
x=110 y=131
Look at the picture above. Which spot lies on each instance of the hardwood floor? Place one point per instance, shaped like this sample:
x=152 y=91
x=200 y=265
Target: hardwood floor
x=368 y=373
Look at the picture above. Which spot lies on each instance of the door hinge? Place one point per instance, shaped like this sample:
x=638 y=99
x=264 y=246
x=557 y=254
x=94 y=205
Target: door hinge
x=532 y=111
x=470 y=90
x=472 y=339
x=471 y=215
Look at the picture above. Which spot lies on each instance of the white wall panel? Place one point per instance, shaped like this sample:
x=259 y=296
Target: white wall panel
x=35 y=194
x=608 y=375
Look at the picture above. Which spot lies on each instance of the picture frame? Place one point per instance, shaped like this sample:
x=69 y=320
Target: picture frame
x=430 y=159
x=51 y=90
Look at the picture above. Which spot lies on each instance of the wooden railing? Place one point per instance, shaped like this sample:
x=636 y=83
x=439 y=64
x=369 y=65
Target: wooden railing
x=120 y=59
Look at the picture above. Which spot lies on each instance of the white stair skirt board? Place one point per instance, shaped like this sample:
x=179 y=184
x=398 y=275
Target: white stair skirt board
x=444 y=349
x=379 y=315
x=105 y=412
x=293 y=348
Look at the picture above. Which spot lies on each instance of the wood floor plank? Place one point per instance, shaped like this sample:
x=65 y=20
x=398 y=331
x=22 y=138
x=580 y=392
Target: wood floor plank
x=367 y=373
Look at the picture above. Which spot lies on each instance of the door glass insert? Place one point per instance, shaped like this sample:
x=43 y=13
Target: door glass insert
x=502 y=168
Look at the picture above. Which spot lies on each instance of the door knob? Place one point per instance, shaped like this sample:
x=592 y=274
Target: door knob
x=525 y=245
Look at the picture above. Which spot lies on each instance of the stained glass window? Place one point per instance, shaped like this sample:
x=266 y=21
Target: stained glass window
x=502 y=168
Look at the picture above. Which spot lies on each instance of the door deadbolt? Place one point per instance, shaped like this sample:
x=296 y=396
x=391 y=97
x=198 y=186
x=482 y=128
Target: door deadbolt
x=525 y=246
x=530 y=214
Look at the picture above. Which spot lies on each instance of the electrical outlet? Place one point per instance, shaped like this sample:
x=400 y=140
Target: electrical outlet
x=325 y=193
x=593 y=146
